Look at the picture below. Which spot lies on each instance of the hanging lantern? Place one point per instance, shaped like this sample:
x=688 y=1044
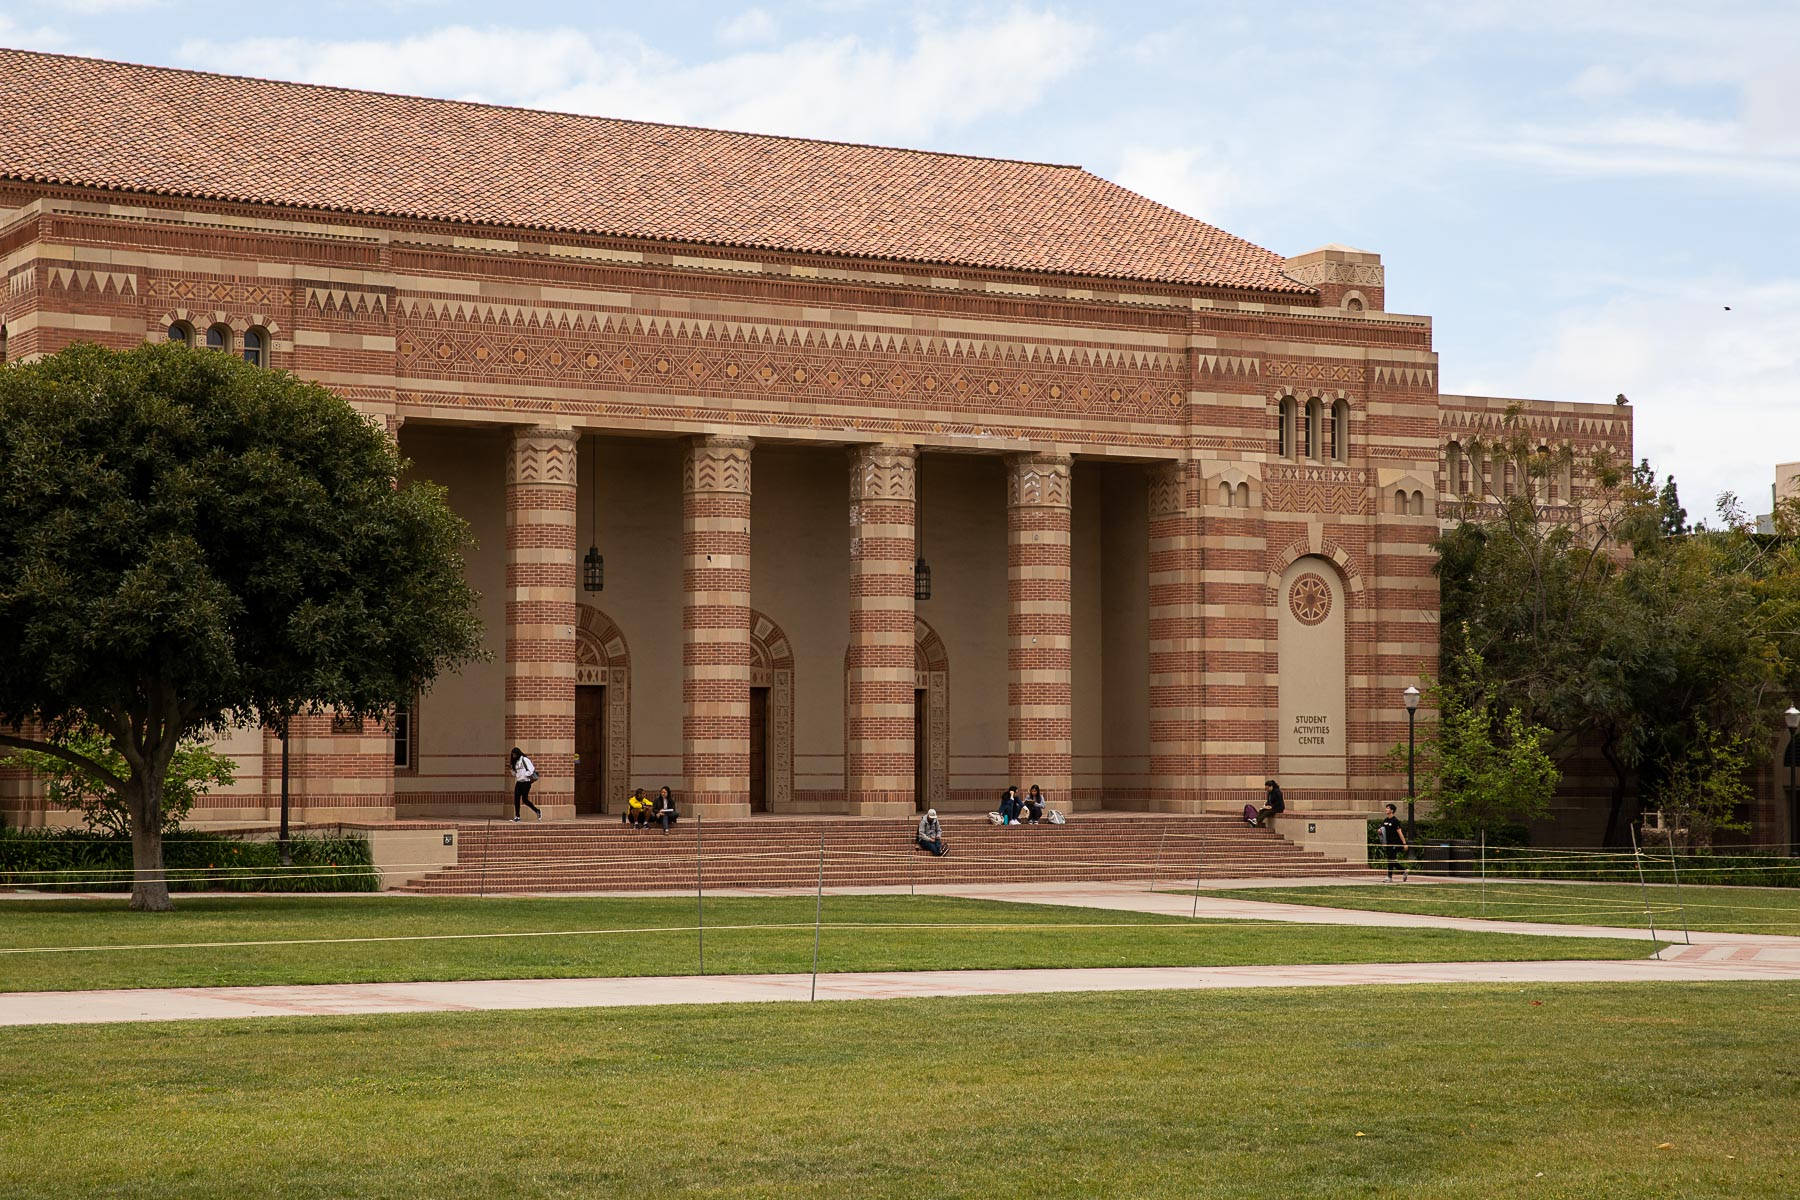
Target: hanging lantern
x=921 y=580
x=593 y=570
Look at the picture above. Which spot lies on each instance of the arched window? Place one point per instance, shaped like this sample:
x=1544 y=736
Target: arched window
x=181 y=332
x=1225 y=494
x=1568 y=478
x=1243 y=495
x=1400 y=501
x=1284 y=429
x=256 y=347
x=1453 y=468
x=1309 y=442
x=1418 y=504
x=1509 y=482
x=218 y=337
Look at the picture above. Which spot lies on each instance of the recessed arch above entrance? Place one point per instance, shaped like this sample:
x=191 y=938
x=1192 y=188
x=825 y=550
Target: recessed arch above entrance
x=602 y=712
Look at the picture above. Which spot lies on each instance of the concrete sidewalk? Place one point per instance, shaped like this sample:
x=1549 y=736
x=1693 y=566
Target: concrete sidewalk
x=1711 y=956
x=181 y=1004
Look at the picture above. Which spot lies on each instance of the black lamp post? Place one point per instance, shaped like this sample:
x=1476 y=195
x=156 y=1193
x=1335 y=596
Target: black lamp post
x=1792 y=717
x=1411 y=695
x=593 y=564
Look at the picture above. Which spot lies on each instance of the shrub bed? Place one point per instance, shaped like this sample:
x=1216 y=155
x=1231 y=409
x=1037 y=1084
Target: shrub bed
x=76 y=860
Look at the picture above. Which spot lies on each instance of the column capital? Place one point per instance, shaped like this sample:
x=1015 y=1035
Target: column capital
x=1037 y=480
x=542 y=455
x=883 y=473
x=716 y=464
x=1168 y=488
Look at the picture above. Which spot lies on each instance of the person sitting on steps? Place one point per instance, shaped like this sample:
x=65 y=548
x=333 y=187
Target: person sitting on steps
x=1034 y=804
x=665 y=808
x=1010 y=806
x=1275 y=806
x=637 y=810
x=931 y=834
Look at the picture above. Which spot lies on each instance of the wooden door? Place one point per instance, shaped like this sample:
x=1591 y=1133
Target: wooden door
x=590 y=749
x=921 y=753
x=759 y=749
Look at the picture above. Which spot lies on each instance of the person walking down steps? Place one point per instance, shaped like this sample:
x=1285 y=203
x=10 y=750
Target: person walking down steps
x=524 y=773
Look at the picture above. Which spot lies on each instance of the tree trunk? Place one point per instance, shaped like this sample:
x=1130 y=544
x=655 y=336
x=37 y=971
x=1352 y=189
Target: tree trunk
x=1615 y=812
x=149 y=882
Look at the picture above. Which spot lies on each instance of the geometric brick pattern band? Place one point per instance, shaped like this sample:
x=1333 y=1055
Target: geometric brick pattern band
x=540 y=610
x=715 y=625
x=1039 y=625
x=882 y=667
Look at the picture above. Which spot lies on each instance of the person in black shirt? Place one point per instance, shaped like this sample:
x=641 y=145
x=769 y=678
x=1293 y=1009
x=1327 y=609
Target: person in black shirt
x=1274 y=807
x=1393 y=841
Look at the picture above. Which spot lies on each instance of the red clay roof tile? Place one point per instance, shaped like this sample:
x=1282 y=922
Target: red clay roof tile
x=93 y=123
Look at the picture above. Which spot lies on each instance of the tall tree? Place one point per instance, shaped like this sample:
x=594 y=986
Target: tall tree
x=189 y=542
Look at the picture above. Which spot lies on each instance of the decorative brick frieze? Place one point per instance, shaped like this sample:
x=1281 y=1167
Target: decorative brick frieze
x=716 y=654
x=881 y=665
x=540 y=610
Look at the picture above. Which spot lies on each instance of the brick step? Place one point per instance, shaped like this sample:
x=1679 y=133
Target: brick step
x=562 y=856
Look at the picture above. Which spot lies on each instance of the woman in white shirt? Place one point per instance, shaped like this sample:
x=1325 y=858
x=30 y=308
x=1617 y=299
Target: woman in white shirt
x=524 y=774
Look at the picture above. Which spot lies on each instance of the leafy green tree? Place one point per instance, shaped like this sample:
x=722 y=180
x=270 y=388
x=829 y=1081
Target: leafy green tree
x=189 y=542
x=1702 y=788
x=1481 y=768
x=195 y=770
x=1674 y=520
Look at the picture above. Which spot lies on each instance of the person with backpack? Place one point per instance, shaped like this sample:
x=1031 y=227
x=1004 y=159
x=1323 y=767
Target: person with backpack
x=524 y=773
x=1276 y=805
x=1392 y=836
x=1010 y=806
x=1034 y=804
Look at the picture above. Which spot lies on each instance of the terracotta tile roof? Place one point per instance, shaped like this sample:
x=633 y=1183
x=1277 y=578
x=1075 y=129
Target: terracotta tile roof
x=102 y=124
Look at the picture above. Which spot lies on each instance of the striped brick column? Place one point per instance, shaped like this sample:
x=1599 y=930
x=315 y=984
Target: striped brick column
x=715 y=626
x=1176 y=639
x=878 y=732
x=1039 y=626
x=540 y=613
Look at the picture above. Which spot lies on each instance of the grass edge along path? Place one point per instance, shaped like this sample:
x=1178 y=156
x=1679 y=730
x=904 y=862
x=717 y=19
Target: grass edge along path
x=228 y=941
x=1705 y=908
x=1453 y=1092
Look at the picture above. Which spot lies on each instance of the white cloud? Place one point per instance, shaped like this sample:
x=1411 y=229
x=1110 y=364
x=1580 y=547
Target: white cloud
x=839 y=87
x=753 y=26
x=1711 y=390
x=40 y=37
x=1195 y=181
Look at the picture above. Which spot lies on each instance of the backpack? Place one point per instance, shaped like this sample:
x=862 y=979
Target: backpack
x=1057 y=818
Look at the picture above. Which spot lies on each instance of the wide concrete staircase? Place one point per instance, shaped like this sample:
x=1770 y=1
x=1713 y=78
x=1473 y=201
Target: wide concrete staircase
x=593 y=855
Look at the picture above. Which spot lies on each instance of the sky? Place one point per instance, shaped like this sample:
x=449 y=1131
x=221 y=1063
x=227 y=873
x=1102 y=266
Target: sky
x=1587 y=197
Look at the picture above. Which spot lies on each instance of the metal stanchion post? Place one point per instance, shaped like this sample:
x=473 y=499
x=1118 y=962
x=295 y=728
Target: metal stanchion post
x=818 y=915
x=700 y=891
x=1160 y=843
x=1484 y=872
x=1643 y=887
x=1687 y=936
x=487 y=839
x=1197 y=864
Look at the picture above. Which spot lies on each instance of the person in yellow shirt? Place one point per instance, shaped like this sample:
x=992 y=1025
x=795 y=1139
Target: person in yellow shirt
x=637 y=810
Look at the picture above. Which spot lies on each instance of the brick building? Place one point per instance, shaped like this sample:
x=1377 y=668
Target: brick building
x=1172 y=492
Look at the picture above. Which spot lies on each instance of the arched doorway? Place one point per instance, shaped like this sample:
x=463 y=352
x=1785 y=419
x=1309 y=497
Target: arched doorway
x=771 y=716
x=602 y=713
x=931 y=718
x=1312 y=741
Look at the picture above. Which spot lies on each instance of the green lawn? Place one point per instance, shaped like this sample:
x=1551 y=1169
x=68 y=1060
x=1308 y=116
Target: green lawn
x=1565 y=1091
x=204 y=942
x=1620 y=905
